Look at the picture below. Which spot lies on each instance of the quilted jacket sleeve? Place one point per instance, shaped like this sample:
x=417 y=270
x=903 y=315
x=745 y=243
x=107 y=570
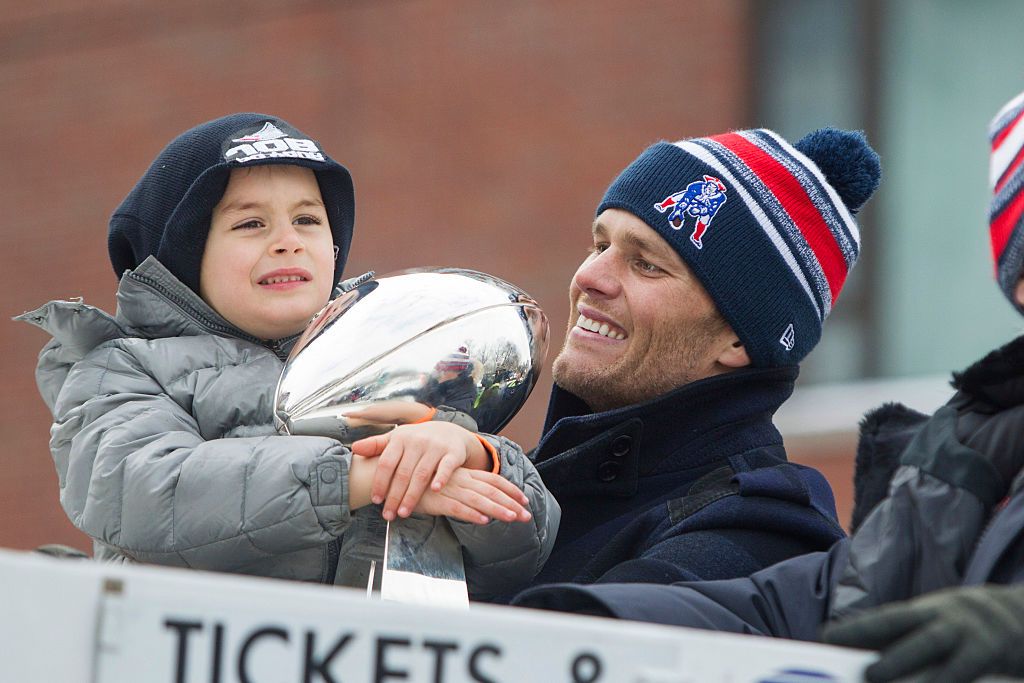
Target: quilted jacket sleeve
x=502 y=557
x=136 y=474
x=916 y=541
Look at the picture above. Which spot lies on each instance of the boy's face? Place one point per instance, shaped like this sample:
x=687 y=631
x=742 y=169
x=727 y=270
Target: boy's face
x=269 y=259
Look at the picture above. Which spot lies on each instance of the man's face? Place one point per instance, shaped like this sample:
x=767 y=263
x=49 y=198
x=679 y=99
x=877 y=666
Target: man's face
x=640 y=322
x=269 y=259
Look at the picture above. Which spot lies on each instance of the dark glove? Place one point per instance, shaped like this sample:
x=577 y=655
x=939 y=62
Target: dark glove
x=952 y=635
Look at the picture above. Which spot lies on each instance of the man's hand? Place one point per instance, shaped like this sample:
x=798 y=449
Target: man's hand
x=476 y=497
x=952 y=635
x=411 y=457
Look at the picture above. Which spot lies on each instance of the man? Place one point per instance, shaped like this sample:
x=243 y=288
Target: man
x=714 y=264
x=948 y=537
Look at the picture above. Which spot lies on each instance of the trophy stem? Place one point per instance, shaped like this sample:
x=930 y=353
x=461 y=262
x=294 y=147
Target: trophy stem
x=373 y=576
x=423 y=564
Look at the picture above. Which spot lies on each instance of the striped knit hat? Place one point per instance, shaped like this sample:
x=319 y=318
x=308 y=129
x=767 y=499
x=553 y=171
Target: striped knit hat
x=1006 y=178
x=766 y=226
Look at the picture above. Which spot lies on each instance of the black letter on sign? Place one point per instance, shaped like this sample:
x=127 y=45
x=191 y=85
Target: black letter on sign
x=586 y=668
x=182 y=627
x=243 y=674
x=380 y=670
x=218 y=649
x=314 y=667
x=474 y=672
x=440 y=650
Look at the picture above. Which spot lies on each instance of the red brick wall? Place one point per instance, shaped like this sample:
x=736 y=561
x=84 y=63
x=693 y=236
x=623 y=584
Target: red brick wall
x=479 y=134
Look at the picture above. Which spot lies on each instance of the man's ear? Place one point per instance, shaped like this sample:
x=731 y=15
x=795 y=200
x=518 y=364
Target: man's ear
x=1018 y=292
x=735 y=355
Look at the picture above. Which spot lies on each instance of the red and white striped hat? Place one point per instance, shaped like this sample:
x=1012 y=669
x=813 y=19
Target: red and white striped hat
x=1006 y=179
x=766 y=226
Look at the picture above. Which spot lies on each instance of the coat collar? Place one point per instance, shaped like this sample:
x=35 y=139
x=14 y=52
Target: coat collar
x=155 y=304
x=692 y=426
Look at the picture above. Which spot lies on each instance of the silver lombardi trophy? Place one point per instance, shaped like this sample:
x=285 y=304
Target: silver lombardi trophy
x=386 y=349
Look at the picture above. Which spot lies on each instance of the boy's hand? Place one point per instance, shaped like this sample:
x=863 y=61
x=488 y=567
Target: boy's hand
x=411 y=457
x=475 y=496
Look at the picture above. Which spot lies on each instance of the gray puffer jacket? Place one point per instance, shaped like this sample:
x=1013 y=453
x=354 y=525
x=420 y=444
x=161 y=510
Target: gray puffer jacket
x=166 y=452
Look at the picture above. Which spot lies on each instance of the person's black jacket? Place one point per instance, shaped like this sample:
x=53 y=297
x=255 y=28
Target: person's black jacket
x=944 y=523
x=690 y=485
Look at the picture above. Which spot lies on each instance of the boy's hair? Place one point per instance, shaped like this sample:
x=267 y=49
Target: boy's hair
x=167 y=213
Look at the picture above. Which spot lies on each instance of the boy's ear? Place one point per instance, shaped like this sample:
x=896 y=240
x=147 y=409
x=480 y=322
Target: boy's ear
x=735 y=355
x=1018 y=292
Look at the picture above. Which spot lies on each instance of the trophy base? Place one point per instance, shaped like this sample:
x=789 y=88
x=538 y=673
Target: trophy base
x=416 y=560
x=423 y=564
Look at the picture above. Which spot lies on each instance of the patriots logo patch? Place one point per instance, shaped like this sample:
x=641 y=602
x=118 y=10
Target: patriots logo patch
x=701 y=199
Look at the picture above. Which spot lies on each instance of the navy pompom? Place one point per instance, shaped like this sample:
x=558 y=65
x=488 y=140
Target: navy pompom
x=847 y=161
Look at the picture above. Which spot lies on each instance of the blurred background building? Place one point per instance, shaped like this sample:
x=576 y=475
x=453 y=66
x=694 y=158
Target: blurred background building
x=483 y=134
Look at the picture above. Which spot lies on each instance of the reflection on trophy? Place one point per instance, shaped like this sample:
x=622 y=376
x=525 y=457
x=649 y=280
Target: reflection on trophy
x=387 y=352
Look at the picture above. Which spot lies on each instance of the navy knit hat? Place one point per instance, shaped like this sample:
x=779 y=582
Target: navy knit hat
x=167 y=213
x=1006 y=178
x=766 y=226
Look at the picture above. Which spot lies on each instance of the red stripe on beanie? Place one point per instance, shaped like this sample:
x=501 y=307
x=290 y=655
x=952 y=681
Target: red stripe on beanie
x=1008 y=173
x=1003 y=225
x=1001 y=135
x=795 y=200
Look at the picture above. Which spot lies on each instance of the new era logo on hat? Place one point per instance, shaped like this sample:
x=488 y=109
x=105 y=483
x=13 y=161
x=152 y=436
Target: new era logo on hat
x=788 y=338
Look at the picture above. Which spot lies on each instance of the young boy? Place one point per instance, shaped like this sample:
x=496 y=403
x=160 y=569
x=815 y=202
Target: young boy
x=162 y=435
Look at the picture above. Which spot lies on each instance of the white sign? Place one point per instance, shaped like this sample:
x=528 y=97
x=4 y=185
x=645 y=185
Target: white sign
x=72 y=618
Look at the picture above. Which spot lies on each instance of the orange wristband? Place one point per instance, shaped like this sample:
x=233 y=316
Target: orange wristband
x=428 y=418
x=489 y=447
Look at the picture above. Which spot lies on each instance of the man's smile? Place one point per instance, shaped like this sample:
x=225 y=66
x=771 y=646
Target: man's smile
x=592 y=321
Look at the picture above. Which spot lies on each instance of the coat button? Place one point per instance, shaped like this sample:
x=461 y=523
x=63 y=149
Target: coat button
x=608 y=470
x=621 y=445
x=328 y=475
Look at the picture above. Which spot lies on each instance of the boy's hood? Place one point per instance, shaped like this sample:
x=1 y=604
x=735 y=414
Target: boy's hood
x=151 y=304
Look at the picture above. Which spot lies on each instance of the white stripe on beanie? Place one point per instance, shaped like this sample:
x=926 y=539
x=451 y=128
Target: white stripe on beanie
x=1006 y=112
x=1004 y=154
x=835 y=203
x=779 y=217
x=766 y=224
